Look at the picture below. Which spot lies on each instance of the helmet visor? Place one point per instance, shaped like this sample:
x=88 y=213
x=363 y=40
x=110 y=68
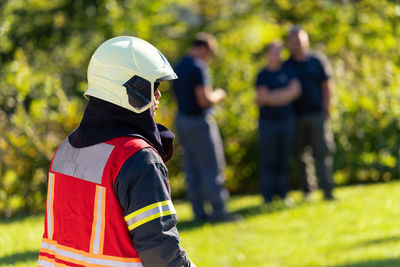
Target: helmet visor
x=140 y=92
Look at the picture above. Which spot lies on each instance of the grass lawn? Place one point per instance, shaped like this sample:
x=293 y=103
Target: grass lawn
x=362 y=228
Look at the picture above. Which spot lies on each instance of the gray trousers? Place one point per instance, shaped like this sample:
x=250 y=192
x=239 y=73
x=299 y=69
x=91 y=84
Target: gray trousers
x=315 y=143
x=204 y=162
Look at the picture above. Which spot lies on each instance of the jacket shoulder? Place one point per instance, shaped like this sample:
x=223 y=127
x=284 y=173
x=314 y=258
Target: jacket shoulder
x=124 y=148
x=128 y=144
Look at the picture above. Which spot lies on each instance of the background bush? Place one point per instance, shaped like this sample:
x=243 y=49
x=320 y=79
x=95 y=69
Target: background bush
x=45 y=47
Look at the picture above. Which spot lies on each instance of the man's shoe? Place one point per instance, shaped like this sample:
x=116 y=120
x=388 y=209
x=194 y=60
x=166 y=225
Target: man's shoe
x=289 y=202
x=329 y=197
x=307 y=197
x=202 y=218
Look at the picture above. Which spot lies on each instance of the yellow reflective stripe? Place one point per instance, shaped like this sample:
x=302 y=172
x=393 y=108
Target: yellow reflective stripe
x=149 y=207
x=147 y=219
x=148 y=213
x=50 y=202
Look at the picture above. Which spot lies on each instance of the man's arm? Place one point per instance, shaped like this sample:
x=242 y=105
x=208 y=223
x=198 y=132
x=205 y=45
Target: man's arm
x=142 y=189
x=207 y=97
x=327 y=83
x=327 y=88
x=279 y=97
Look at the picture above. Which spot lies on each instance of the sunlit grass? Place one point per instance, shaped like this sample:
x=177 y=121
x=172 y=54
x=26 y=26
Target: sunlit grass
x=20 y=240
x=362 y=228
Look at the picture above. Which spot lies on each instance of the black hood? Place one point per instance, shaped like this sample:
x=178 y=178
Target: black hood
x=103 y=121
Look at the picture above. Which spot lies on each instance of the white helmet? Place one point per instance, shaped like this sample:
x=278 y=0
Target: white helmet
x=126 y=71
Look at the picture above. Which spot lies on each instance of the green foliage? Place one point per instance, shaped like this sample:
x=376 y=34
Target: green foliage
x=318 y=233
x=45 y=47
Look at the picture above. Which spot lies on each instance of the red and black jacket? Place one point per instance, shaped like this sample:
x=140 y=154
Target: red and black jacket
x=109 y=204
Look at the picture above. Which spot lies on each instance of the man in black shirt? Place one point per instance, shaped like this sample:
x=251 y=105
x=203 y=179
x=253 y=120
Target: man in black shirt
x=312 y=109
x=198 y=132
x=277 y=87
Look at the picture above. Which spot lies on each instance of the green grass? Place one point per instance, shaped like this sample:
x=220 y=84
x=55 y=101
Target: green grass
x=362 y=228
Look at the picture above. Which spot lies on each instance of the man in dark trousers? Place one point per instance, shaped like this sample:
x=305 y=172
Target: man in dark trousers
x=198 y=132
x=109 y=201
x=312 y=108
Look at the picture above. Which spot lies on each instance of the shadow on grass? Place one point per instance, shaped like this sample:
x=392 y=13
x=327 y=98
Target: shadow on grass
x=17 y=218
x=19 y=257
x=258 y=209
x=190 y=224
x=246 y=212
x=381 y=241
x=373 y=263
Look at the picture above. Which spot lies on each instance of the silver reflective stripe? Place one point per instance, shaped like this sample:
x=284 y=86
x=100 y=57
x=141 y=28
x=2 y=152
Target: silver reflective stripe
x=48 y=246
x=85 y=163
x=45 y=263
x=96 y=245
x=86 y=259
x=148 y=213
x=50 y=195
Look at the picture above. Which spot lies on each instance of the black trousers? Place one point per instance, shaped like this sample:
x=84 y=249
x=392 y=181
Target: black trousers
x=315 y=144
x=276 y=145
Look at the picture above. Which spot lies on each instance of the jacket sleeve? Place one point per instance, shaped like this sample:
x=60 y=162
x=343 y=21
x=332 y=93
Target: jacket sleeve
x=142 y=188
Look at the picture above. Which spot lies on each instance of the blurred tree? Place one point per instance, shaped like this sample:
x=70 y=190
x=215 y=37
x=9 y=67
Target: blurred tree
x=45 y=47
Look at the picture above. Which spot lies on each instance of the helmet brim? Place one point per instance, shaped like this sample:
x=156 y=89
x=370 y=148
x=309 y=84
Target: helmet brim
x=172 y=76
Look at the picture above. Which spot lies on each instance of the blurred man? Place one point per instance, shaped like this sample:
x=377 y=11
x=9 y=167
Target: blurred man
x=312 y=108
x=277 y=87
x=198 y=132
x=109 y=201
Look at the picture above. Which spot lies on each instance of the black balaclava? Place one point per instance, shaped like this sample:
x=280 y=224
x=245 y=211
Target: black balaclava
x=103 y=121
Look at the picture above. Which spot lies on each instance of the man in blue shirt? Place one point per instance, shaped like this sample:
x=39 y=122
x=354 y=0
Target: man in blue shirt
x=312 y=109
x=198 y=132
x=277 y=87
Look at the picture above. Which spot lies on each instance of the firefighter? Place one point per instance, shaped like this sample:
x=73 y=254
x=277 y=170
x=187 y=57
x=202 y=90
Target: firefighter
x=109 y=200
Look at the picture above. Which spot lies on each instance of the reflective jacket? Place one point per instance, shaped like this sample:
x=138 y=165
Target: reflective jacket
x=109 y=205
